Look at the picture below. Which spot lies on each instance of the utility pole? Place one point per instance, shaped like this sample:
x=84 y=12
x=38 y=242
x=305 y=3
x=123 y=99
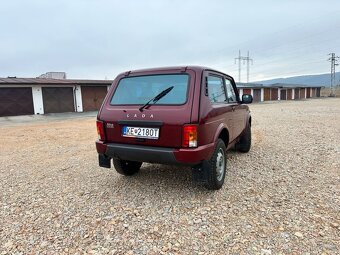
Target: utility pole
x=239 y=65
x=241 y=58
x=248 y=59
x=333 y=59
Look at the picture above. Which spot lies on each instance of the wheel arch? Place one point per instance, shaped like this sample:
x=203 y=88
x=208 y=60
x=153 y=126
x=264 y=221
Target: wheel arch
x=222 y=133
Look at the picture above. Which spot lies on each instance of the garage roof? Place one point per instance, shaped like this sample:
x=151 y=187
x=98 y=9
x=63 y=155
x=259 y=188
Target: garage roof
x=249 y=85
x=45 y=81
x=286 y=85
x=275 y=85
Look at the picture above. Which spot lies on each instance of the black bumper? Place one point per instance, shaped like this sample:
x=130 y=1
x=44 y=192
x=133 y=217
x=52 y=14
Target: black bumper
x=141 y=153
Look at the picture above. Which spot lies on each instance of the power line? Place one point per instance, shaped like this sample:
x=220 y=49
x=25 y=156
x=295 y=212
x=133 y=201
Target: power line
x=281 y=36
x=288 y=52
x=301 y=68
x=282 y=68
x=274 y=68
x=241 y=58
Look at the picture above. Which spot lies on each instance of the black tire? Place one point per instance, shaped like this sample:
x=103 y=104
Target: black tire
x=245 y=141
x=126 y=167
x=216 y=167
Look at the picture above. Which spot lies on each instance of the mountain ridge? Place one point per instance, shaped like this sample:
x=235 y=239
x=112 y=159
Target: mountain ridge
x=312 y=79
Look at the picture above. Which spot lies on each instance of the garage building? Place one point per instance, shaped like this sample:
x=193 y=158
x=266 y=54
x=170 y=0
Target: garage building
x=278 y=91
x=24 y=96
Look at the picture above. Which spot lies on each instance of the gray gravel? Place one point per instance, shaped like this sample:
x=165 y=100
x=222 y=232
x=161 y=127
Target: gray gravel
x=281 y=198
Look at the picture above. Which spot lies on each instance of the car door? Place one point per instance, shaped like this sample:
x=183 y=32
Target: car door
x=238 y=110
x=221 y=111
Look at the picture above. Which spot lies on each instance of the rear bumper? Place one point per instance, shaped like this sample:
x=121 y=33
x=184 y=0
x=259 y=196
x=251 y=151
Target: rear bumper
x=156 y=154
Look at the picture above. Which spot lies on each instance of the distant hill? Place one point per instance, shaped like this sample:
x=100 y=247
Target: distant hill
x=318 y=79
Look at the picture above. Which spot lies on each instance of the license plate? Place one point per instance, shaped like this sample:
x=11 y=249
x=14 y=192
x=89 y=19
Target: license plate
x=141 y=132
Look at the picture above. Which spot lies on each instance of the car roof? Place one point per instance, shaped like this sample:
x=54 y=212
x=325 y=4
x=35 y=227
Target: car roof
x=170 y=68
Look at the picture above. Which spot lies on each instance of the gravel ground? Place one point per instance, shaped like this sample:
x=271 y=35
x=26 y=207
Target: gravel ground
x=283 y=197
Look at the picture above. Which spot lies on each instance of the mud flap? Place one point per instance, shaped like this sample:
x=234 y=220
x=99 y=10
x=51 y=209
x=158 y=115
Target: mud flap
x=104 y=161
x=200 y=172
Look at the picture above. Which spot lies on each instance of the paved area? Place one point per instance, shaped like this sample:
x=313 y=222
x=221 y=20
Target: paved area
x=29 y=119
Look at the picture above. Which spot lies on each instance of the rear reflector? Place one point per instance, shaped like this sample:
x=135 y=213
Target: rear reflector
x=189 y=138
x=100 y=130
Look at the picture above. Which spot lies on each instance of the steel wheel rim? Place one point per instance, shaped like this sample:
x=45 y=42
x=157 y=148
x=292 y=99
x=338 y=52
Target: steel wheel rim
x=220 y=164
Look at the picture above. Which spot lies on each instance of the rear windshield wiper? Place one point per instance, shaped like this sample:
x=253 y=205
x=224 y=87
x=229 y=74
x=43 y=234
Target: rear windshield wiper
x=156 y=98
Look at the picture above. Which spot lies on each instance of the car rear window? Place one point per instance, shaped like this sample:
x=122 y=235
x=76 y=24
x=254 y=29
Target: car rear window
x=139 y=90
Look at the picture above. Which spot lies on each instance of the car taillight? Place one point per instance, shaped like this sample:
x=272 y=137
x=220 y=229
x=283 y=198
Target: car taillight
x=189 y=138
x=100 y=130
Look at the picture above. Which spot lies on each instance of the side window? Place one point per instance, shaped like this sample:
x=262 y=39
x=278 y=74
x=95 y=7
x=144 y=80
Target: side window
x=216 y=89
x=230 y=92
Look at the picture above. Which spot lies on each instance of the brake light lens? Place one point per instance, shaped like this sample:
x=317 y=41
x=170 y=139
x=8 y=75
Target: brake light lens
x=100 y=130
x=189 y=138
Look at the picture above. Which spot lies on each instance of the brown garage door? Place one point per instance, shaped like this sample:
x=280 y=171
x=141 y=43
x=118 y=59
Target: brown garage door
x=58 y=99
x=283 y=94
x=297 y=94
x=308 y=92
x=302 y=93
x=274 y=94
x=257 y=95
x=246 y=91
x=289 y=94
x=266 y=94
x=93 y=97
x=16 y=101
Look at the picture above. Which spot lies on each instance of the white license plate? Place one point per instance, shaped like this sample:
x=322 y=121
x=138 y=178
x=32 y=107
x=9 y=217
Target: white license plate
x=141 y=132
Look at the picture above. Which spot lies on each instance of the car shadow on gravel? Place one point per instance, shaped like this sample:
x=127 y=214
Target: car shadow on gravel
x=166 y=178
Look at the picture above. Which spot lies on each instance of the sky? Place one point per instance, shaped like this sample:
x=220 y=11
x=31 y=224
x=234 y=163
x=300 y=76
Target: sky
x=90 y=39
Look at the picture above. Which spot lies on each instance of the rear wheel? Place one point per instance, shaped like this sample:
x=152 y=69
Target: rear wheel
x=216 y=167
x=245 y=141
x=126 y=167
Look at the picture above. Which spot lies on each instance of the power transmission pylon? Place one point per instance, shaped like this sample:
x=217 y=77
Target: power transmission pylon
x=251 y=60
x=241 y=58
x=333 y=59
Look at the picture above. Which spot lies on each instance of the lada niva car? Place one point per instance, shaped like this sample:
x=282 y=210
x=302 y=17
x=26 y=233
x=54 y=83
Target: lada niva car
x=187 y=115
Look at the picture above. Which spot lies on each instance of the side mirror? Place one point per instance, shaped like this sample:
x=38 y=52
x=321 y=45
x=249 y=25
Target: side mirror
x=247 y=99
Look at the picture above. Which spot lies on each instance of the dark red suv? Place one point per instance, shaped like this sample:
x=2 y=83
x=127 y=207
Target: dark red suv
x=178 y=115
